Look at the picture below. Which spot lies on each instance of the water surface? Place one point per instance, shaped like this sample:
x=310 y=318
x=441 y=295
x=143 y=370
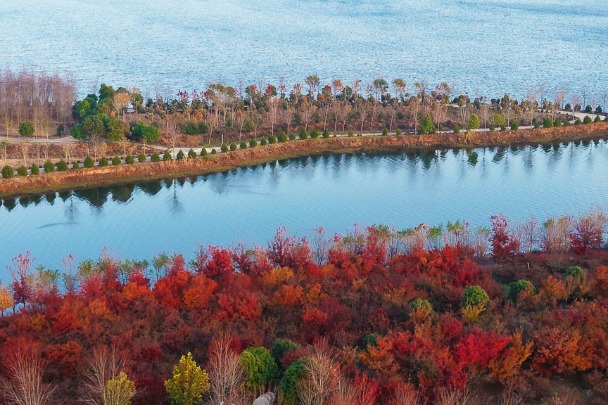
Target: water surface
x=402 y=190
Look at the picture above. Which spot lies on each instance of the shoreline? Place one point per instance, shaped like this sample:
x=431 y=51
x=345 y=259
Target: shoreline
x=128 y=173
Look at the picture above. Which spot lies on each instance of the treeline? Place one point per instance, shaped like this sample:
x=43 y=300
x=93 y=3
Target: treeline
x=370 y=317
x=35 y=102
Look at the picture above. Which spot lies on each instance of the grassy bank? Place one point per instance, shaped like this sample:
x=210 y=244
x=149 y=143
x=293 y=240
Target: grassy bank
x=127 y=173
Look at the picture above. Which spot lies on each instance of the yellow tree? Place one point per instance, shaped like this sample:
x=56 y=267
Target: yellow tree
x=119 y=390
x=6 y=299
x=188 y=383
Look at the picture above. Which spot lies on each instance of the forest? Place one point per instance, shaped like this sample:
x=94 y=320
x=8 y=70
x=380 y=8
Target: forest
x=429 y=315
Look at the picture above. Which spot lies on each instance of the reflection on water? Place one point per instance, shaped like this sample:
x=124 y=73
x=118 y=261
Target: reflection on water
x=335 y=191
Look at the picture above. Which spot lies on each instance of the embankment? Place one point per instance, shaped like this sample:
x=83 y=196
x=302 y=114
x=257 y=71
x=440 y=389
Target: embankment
x=124 y=173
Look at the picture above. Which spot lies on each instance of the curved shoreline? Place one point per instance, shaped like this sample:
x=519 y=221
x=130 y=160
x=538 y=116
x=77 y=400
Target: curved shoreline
x=129 y=173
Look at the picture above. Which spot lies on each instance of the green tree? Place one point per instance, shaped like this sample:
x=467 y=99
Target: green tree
x=289 y=383
x=129 y=159
x=203 y=151
x=75 y=165
x=155 y=157
x=474 y=122
x=514 y=125
x=474 y=296
x=587 y=120
x=7 y=172
x=326 y=134
x=180 y=155
x=303 y=134
x=26 y=128
x=233 y=146
x=115 y=161
x=116 y=130
x=92 y=126
x=188 y=382
x=272 y=139
x=314 y=134
x=88 y=162
x=263 y=142
x=224 y=148
x=48 y=166
x=280 y=347
x=35 y=170
x=167 y=156
x=282 y=137
x=426 y=125
x=22 y=170
x=261 y=369
x=141 y=158
x=191 y=154
x=119 y=390
x=61 y=166
x=516 y=287
x=103 y=161
x=547 y=123
x=253 y=143
x=243 y=145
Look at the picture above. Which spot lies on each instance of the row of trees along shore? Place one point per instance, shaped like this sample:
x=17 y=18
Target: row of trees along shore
x=223 y=112
x=424 y=316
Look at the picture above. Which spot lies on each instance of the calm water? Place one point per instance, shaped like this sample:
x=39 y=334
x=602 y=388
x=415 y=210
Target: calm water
x=335 y=192
x=479 y=46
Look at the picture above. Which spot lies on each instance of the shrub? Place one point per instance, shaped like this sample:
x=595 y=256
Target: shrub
x=598 y=110
x=397 y=131
x=233 y=146
x=292 y=137
x=263 y=142
x=48 y=166
x=350 y=134
x=303 y=134
x=567 y=123
x=180 y=155
x=7 y=172
x=557 y=122
x=88 y=162
x=155 y=157
x=116 y=161
x=426 y=125
x=456 y=128
x=191 y=154
x=35 y=170
x=535 y=123
x=203 y=151
x=492 y=128
x=253 y=143
x=61 y=166
x=102 y=162
x=547 y=123
x=474 y=122
x=272 y=139
x=514 y=125
x=587 y=120
x=141 y=158
x=517 y=287
x=384 y=132
x=129 y=159
x=588 y=109
x=167 y=156
x=503 y=127
x=597 y=118
x=578 y=121
x=213 y=151
x=224 y=148
x=243 y=145
x=314 y=134
x=75 y=165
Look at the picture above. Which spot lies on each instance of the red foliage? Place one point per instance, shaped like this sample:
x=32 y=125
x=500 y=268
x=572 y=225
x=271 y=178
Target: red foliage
x=503 y=243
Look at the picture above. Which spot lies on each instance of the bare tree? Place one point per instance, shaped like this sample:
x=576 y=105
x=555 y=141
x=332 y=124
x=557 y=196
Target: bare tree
x=320 y=376
x=226 y=373
x=104 y=364
x=23 y=384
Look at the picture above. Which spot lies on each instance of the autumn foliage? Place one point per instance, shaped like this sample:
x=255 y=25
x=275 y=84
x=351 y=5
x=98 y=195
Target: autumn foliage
x=346 y=319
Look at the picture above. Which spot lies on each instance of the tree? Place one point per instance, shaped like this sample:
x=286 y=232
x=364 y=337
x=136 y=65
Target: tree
x=226 y=374
x=7 y=172
x=26 y=128
x=24 y=384
x=103 y=365
x=119 y=390
x=426 y=125
x=6 y=299
x=188 y=382
x=474 y=121
x=260 y=369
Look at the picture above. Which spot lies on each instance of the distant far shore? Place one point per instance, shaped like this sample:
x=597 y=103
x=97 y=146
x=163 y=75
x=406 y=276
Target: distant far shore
x=213 y=163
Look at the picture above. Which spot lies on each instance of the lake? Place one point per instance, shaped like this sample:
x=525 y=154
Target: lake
x=247 y=205
x=480 y=47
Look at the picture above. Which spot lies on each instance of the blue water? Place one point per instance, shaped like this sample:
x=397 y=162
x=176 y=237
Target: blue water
x=336 y=192
x=480 y=47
